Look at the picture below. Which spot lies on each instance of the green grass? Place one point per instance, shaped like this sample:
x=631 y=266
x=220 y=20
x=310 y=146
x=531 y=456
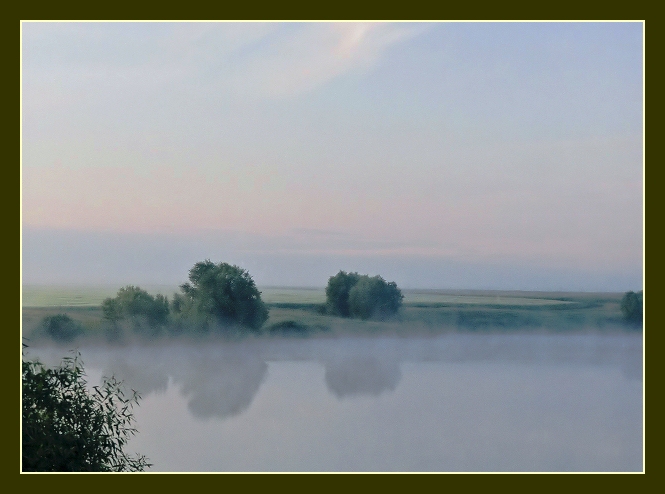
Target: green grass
x=296 y=311
x=287 y=295
x=89 y=296
x=430 y=297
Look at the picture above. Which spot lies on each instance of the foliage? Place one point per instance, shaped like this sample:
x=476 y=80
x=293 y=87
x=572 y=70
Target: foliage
x=112 y=310
x=61 y=327
x=337 y=293
x=631 y=306
x=135 y=302
x=220 y=293
x=374 y=297
x=354 y=295
x=68 y=428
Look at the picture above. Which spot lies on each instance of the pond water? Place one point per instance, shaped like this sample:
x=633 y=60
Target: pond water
x=456 y=402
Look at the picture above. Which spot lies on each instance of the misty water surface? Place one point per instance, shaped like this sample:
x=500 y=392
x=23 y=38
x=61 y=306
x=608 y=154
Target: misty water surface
x=457 y=402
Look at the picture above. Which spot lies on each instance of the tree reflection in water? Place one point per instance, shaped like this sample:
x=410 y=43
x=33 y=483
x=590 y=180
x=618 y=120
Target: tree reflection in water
x=220 y=379
x=362 y=376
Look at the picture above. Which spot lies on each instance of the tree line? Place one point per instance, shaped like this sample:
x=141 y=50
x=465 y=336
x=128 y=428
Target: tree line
x=221 y=296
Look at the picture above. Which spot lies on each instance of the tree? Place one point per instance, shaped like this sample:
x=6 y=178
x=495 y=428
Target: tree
x=631 y=306
x=221 y=293
x=67 y=428
x=354 y=295
x=337 y=293
x=374 y=297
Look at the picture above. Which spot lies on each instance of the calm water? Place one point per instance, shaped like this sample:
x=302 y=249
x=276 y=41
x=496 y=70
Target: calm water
x=458 y=402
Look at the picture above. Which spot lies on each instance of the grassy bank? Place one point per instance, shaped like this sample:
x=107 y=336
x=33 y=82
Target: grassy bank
x=297 y=311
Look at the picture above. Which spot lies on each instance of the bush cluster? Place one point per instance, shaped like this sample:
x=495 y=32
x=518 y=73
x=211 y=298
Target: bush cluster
x=134 y=302
x=216 y=296
x=61 y=327
x=362 y=296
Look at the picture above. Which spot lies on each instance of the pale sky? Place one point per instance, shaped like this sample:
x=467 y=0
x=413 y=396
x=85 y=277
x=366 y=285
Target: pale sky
x=439 y=155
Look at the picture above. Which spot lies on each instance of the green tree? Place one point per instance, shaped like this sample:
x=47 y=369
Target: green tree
x=354 y=295
x=221 y=293
x=374 y=297
x=631 y=306
x=68 y=428
x=337 y=293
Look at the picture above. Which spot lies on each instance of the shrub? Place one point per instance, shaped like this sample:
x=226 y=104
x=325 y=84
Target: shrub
x=135 y=302
x=61 y=327
x=289 y=328
x=68 y=428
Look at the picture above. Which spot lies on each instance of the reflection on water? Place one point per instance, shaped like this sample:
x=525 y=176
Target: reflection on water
x=458 y=402
x=361 y=375
x=222 y=388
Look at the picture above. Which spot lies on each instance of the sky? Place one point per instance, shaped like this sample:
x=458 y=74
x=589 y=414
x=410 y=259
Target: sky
x=438 y=155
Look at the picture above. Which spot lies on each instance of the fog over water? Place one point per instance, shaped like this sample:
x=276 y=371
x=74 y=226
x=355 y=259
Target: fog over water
x=457 y=402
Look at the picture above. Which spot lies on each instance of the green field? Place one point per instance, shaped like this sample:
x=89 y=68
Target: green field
x=93 y=295
x=78 y=295
x=297 y=310
x=90 y=296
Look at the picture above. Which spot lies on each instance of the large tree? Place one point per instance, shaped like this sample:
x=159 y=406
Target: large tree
x=221 y=293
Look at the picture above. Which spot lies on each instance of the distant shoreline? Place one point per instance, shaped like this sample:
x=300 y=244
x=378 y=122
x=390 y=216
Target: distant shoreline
x=77 y=294
x=298 y=312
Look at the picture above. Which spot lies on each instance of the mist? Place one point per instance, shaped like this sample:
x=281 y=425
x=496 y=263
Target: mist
x=457 y=402
x=53 y=257
x=219 y=378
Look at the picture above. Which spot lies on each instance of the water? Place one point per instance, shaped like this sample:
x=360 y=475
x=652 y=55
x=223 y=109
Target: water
x=457 y=402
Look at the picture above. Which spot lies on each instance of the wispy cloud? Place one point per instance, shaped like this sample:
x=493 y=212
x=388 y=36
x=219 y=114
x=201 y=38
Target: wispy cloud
x=313 y=54
x=250 y=60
